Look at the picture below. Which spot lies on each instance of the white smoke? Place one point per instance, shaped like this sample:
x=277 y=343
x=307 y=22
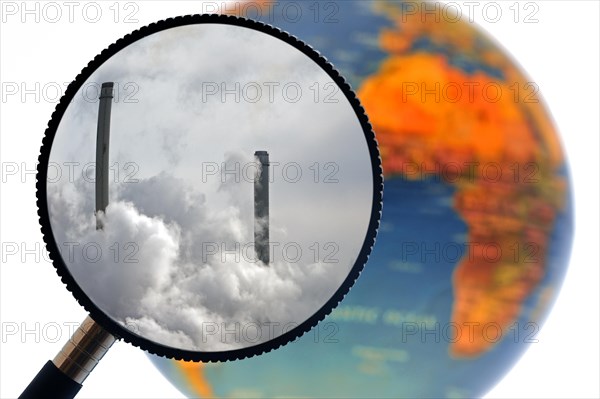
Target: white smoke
x=146 y=267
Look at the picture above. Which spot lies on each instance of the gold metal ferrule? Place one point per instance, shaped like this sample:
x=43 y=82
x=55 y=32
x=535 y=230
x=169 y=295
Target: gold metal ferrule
x=84 y=350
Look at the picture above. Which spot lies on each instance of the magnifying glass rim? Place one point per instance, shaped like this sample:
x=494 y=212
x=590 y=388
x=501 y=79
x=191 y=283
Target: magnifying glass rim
x=100 y=316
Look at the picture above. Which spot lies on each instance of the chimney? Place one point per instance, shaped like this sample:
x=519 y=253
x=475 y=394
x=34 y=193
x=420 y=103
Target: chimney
x=261 y=208
x=102 y=147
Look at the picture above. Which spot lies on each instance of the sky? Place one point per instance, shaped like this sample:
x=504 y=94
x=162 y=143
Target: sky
x=190 y=104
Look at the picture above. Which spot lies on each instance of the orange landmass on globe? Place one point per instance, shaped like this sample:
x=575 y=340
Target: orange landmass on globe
x=498 y=148
x=194 y=378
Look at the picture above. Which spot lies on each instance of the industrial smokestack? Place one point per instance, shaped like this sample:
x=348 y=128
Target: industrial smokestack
x=102 y=147
x=261 y=208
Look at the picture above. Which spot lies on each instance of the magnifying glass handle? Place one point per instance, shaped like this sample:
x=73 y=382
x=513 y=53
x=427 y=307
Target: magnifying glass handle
x=62 y=378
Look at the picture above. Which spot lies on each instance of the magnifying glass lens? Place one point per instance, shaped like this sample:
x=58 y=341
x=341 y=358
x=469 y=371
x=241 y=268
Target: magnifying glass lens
x=222 y=190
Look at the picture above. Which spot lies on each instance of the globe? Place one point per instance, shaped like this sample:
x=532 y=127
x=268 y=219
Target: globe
x=477 y=216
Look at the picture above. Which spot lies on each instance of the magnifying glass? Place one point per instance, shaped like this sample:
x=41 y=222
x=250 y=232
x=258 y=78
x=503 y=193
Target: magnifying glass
x=209 y=189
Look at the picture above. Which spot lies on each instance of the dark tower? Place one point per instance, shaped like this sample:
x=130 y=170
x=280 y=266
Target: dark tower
x=102 y=147
x=261 y=208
